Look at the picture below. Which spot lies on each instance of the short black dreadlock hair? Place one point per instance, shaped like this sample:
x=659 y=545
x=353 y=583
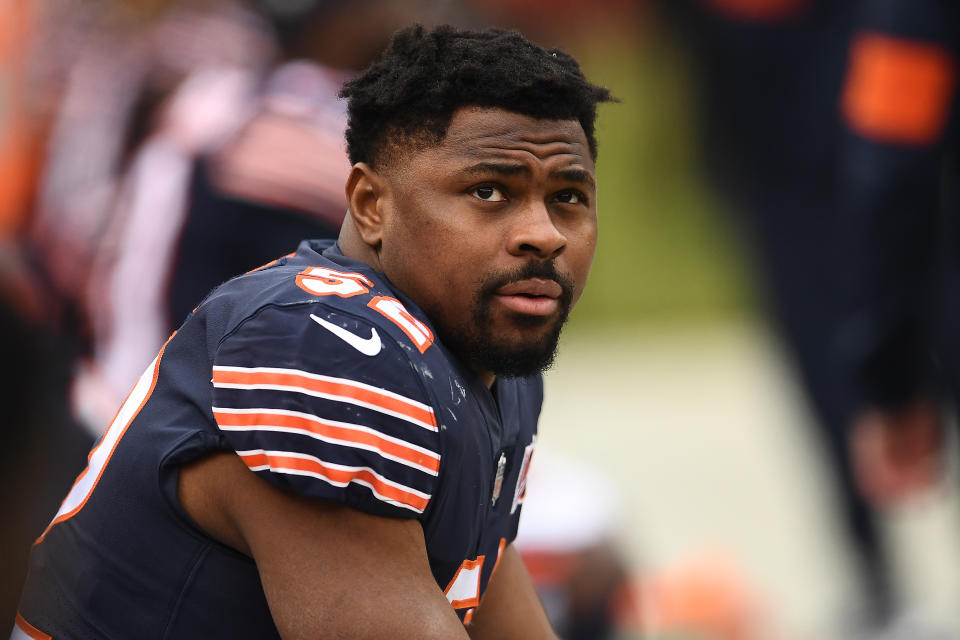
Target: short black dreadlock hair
x=410 y=94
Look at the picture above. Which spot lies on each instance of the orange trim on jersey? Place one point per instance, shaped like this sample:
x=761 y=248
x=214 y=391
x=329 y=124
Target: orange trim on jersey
x=898 y=90
x=146 y=398
x=29 y=629
x=327 y=430
x=500 y=548
x=334 y=387
x=468 y=616
x=272 y=262
x=278 y=462
x=759 y=10
x=468 y=565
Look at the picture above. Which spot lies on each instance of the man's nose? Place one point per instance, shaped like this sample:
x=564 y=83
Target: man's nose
x=535 y=233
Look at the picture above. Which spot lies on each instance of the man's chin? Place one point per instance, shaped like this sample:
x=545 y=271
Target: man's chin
x=528 y=325
x=523 y=365
x=506 y=343
x=520 y=357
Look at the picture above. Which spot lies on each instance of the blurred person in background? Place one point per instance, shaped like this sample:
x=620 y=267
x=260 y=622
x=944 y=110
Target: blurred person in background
x=771 y=74
x=830 y=208
x=898 y=233
x=241 y=162
x=84 y=79
x=119 y=69
x=898 y=252
x=102 y=71
x=41 y=441
x=20 y=130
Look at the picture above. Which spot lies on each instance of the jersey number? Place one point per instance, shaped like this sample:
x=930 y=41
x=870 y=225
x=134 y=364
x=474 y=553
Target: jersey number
x=394 y=311
x=463 y=592
x=87 y=480
x=321 y=281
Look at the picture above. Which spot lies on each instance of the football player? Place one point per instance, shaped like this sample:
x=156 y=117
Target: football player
x=336 y=444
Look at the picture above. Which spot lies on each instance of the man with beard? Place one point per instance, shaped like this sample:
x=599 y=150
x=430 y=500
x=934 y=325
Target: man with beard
x=383 y=390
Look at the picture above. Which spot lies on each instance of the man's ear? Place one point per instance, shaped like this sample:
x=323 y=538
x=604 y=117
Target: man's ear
x=366 y=196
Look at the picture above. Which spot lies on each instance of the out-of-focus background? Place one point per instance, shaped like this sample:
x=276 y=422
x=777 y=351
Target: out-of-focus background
x=746 y=435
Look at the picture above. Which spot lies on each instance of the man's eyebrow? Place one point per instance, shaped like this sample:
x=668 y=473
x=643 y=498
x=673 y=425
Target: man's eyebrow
x=574 y=175
x=510 y=169
x=501 y=168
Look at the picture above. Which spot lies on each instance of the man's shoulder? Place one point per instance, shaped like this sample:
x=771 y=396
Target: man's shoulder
x=325 y=284
x=325 y=317
x=321 y=386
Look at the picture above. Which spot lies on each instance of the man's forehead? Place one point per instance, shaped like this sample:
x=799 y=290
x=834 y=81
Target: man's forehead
x=485 y=131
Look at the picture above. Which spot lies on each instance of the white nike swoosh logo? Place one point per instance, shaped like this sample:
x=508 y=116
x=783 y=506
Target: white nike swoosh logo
x=367 y=346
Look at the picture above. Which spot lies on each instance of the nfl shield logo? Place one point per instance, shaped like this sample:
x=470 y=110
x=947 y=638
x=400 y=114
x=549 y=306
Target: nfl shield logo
x=498 y=480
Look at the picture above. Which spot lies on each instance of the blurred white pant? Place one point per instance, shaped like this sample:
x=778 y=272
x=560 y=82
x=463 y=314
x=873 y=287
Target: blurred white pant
x=18 y=634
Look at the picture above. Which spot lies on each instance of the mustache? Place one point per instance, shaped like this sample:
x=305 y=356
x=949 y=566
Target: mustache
x=533 y=269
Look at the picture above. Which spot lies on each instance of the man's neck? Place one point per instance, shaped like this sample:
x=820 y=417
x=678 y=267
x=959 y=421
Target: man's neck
x=353 y=246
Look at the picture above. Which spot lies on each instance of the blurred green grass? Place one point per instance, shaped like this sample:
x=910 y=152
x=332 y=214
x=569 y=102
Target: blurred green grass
x=666 y=254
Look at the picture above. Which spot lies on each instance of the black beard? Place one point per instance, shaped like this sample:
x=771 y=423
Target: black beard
x=479 y=348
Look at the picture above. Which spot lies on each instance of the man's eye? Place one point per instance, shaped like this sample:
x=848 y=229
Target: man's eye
x=489 y=194
x=570 y=197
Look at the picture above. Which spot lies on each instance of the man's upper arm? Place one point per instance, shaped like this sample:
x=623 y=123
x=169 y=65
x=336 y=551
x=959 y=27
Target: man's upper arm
x=327 y=570
x=345 y=454
x=308 y=411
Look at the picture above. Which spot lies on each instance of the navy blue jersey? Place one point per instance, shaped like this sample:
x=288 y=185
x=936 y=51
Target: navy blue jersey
x=326 y=382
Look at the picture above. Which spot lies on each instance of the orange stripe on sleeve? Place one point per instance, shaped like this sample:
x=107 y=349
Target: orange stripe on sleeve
x=331 y=431
x=340 y=476
x=328 y=386
x=898 y=90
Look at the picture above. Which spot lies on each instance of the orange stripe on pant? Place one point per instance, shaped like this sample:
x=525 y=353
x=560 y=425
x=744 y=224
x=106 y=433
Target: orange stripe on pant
x=327 y=430
x=898 y=90
x=28 y=630
x=338 y=476
x=343 y=389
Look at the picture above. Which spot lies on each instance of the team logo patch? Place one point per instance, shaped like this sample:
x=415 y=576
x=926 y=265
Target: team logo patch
x=498 y=479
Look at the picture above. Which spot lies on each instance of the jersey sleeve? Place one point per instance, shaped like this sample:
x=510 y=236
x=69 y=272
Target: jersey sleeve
x=318 y=401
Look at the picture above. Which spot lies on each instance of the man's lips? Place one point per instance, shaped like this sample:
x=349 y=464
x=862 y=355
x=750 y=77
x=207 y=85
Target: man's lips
x=533 y=296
